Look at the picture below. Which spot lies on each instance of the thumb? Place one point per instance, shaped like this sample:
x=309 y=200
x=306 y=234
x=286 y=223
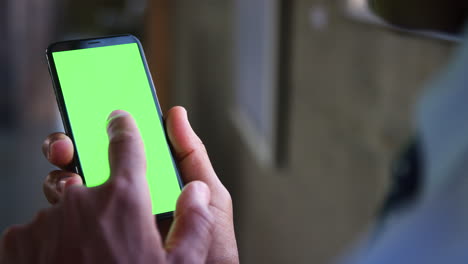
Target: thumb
x=191 y=233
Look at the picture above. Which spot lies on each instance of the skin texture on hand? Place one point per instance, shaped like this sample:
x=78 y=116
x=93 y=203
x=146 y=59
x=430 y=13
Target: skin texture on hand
x=113 y=223
x=440 y=15
x=194 y=165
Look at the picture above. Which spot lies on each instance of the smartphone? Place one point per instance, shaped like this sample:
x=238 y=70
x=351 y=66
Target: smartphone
x=92 y=78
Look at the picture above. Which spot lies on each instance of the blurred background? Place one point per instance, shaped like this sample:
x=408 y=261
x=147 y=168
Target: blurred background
x=301 y=107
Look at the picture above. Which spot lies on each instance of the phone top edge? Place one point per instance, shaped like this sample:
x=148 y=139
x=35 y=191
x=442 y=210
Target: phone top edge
x=75 y=44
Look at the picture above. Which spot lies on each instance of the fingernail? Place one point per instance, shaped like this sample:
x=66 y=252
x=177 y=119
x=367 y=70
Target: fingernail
x=49 y=149
x=114 y=115
x=110 y=120
x=51 y=141
x=61 y=185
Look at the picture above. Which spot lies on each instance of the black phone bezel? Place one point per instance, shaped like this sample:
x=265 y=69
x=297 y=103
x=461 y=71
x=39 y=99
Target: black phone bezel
x=94 y=43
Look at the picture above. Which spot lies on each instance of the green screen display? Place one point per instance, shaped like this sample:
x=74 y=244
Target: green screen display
x=97 y=81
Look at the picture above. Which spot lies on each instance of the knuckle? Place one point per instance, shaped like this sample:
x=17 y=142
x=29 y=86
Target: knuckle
x=10 y=234
x=119 y=136
x=40 y=217
x=203 y=148
x=118 y=189
x=225 y=193
x=72 y=195
x=227 y=198
x=10 y=237
x=224 y=196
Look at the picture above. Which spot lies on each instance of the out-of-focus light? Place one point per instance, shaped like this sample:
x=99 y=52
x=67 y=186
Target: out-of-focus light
x=360 y=9
x=319 y=18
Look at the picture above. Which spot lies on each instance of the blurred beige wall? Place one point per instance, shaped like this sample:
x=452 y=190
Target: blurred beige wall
x=31 y=27
x=352 y=90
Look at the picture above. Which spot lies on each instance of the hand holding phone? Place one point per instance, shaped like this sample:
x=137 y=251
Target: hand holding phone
x=194 y=165
x=93 y=77
x=114 y=223
x=102 y=74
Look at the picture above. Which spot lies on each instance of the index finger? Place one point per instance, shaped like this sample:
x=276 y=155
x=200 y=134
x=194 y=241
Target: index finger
x=126 y=151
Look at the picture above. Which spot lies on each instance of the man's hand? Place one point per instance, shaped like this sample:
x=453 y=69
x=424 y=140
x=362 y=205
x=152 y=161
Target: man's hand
x=113 y=223
x=194 y=165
